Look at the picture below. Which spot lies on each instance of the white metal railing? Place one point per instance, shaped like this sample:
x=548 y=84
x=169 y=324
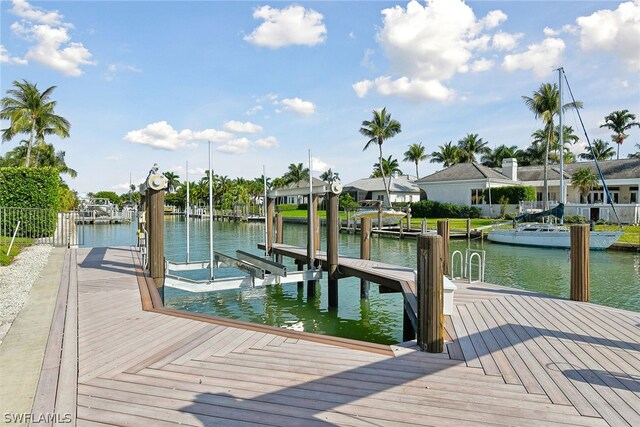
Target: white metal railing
x=466 y=264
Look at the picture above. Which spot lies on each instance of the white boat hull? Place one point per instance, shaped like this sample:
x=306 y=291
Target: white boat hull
x=551 y=239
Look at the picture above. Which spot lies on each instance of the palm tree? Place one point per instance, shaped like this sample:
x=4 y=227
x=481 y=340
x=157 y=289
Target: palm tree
x=296 y=173
x=173 y=181
x=619 y=122
x=601 y=149
x=31 y=112
x=389 y=167
x=416 y=153
x=545 y=104
x=493 y=158
x=471 y=145
x=584 y=179
x=568 y=137
x=635 y=155
x=448 y=155
x=377 y=130
x=326 y=175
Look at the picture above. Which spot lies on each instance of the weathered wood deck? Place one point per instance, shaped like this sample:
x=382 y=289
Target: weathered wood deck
x=517 y=358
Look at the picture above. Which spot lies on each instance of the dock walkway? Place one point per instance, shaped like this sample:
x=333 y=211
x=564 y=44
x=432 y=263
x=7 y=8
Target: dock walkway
x=515 y=358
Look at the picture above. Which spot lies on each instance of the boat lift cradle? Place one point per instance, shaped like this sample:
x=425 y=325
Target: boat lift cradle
x=261 y=272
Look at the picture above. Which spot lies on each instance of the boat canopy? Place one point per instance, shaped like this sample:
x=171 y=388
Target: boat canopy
x=557 y=211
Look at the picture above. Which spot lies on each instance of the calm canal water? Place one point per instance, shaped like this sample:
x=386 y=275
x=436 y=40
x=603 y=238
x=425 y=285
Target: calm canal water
x=615 y=278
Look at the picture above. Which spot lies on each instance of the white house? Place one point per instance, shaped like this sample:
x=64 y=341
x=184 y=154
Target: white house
x=464 y=183
x=402 y=189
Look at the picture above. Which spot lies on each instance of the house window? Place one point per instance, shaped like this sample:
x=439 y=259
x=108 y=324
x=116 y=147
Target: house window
x=381 y=197
x=633 y=197
x=477 y=196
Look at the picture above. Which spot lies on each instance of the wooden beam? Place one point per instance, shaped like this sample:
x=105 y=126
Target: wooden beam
x=271 y=207
x=443 y=230
x=430 y=294
x=365 y=252
x=580 y=262
x=332 y=247
x=155 y=200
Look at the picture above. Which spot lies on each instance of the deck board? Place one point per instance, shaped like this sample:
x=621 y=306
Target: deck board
x=515 y=358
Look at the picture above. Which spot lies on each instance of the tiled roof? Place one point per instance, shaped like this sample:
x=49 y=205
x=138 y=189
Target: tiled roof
x=462 y=172
x=399 y=184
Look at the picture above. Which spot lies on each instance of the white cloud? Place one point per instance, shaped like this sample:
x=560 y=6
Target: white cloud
x=6 y=58
x=240 y=127
x=352 y=35
x=427 y=45
x=52 y=45
x=267 y=142
x=318 y=165
x=251 y=111
x=113 y=69
x=550 y=32
x=481 y=64
x=366 y=59
x=541 y=58
x=23 y=9
x=163 y=136
x=297 y=105
x=616 y=31
x=505 y=41
x=293 y=25
x=413 y=89
x=235 y=146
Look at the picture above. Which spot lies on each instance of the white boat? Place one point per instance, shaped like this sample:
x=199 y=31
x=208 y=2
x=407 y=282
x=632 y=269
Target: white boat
x=550 y=236
x=373 y=209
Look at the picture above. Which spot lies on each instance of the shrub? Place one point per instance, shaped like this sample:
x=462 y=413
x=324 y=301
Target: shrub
x=513 y=195
x=287 y=207
x=575 y=219
x=30 y=188
x=431 y=209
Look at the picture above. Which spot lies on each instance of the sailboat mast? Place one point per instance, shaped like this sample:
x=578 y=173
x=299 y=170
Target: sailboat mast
x=188 y=207
x=561 y=139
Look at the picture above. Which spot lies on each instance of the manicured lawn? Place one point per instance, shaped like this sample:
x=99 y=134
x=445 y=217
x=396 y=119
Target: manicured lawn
x=631 y=232
x=454 y=223
x=18 y=244
x=303 y=214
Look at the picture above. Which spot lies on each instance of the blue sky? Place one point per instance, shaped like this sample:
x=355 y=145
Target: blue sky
x=151 y=81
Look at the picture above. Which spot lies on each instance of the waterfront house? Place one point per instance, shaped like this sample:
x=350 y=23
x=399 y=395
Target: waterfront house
x=402 y=189
x=464 y=183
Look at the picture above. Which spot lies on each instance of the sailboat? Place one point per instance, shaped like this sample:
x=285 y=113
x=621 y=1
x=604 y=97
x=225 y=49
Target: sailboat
x=552 y=235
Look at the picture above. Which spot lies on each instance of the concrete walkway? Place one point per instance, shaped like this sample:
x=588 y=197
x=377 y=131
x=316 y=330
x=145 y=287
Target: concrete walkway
x=22 y=350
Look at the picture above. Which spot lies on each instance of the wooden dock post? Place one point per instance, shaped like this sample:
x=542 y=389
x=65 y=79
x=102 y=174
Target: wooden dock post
x=430 y=289
x=443 y=230
x=155 y=201
x=313 y=224
x=580 y=262
x=409 y=218
x=365 y=252
x=271 y=207
x=316 y=223
x=279 y=236
x=468 y=230
x=332 y=247
x=423 y=226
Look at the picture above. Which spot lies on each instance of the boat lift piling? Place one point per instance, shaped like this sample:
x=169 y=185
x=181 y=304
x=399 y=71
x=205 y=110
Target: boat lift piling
x=332 y=248
x=580 y=262
x=430 y=293
x=365 y=253
x=443 y=230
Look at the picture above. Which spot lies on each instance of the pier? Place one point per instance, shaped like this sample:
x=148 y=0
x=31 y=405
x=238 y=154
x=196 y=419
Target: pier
x=115 y=355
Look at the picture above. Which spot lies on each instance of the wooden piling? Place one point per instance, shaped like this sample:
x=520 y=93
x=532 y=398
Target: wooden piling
x=332 y=248
x=423 y=226
x=409 y=219
x=155 y=202
x=271 y=207
x=468 y=230
x=316 y=223
x=365 y=252
x=279 y=235
x=430 y=289
x=408 y=333
x=443 y=230
x=580 y=262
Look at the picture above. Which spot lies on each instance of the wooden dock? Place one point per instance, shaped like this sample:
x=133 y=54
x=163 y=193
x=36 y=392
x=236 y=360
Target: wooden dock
x=116 y=357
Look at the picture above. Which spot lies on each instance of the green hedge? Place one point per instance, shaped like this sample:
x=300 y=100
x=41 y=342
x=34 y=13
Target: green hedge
x=37 y=191
x=287 y=207
x=514 y=195
x=431 y=209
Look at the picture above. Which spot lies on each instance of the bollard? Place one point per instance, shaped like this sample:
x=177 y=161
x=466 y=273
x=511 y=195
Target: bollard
x=580 y=262
x=332 y=248
x=365 y=252
x=430 y=289
x=443 y=230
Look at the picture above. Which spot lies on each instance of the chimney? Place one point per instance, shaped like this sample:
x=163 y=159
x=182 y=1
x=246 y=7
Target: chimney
x=510 y=168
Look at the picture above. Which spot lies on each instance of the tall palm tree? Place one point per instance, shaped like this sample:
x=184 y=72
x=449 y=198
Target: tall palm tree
x=389 y=167
x=379 y=129
x=448 y=155
x=584 y=179
x=31 y=112
x=568 y=138
x=545 y=105
x=296 y=173
x=601 y=149
x=471 y=145
x=416 y=153
x=173 y=181
x=619 y=122
x=493 y=158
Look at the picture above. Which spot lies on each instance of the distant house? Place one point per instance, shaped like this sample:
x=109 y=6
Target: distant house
x=464 y=183
x=402 y=189
x=295 y=193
